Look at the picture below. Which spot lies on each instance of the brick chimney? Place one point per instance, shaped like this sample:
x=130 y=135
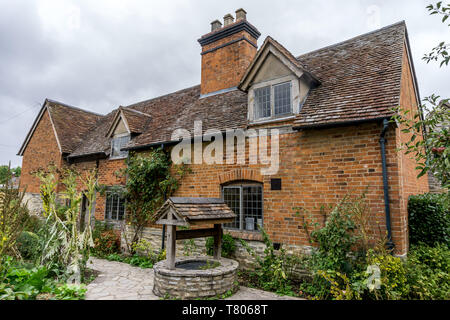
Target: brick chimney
x=227 y=51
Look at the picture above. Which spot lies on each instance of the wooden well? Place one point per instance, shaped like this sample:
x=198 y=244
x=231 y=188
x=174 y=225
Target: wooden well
x=187 y=212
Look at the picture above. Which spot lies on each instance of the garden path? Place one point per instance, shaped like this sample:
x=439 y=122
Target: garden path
x=121 y=281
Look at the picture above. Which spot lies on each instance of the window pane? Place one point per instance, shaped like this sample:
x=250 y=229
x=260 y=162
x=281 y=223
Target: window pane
x=108 y=206
x=232 y=197
x=115 y=206
x=262 y=102
x=252 y=206
x=282 y=97
x=117 y=144
x=121 y=208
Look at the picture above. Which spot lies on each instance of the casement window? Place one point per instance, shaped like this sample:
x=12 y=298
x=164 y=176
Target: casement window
x=246 y=200
x=273 y=100
x=115 y=207
x=117 y=143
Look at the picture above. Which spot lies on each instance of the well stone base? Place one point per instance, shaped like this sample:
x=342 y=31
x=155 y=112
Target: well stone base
x=191 y=284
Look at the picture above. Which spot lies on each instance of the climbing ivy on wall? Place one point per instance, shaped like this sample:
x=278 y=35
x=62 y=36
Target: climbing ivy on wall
x=151 y=179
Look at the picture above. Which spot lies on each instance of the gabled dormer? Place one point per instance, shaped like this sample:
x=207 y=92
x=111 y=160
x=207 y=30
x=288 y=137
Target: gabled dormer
x=126 y=124
x=277 y=84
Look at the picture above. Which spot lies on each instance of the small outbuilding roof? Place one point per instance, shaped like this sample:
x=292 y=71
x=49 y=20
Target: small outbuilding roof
x=186 y=211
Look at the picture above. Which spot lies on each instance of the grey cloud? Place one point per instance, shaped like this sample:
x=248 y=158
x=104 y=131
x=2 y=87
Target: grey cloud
x=117 y=53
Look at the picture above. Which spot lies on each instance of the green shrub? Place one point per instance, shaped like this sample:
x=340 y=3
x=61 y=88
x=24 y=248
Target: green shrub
x=134 y=260
x=28 y=245
x=34 y=224
x=228 y=246
x=394 y=284
x=22 y=281
x=106 y=240
x=428 y=270
x=429 y=219
x=272 y=269
x=144 y=257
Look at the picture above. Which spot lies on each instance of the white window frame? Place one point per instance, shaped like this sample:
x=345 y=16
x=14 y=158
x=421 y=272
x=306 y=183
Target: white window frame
x=123 y=156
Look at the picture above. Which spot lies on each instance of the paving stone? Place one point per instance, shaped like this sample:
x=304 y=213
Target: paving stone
x=120 y=281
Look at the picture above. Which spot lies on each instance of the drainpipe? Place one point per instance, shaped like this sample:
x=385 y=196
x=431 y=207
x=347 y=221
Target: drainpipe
x=390 y=244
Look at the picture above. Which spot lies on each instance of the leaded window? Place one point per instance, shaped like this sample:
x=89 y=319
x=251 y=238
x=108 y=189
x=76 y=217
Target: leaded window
x=273 y=101
x=246 y=200
x=115 y=206
x=118 y=143
x=282 y=98
x=262 y=98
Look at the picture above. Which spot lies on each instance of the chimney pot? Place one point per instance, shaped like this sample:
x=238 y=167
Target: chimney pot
x=228 y=19
x=216 y=24
x=241 y=14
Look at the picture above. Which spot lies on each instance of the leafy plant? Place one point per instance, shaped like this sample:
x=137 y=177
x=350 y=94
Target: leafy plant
x=393 y=281
x=428 y=272
x=228 y=246
x=189 y=247
x=13 y=217
x=210 y=265
x=26 y=282
x=341 y=244
x=6 y=173
x=145 y=256
x=106 y=240
x=65 y=243
x=28 y=245
x=440 y=51
x=271 y=269
x=432 y=120
x=150 y=180
x=433 y=151
x=70 y=292
x=429 y=219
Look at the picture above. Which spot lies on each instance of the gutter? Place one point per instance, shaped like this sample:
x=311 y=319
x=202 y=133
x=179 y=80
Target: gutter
x=96 y=155
x=338 y=123
x=387 y=210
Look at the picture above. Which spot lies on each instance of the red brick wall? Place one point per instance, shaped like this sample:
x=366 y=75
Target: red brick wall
x=41 y=150
x=317 y=167
x=408 y=182
x=107 y=176
x=224 y=67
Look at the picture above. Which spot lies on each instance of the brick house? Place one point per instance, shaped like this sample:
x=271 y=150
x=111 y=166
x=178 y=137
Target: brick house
x=330 y=106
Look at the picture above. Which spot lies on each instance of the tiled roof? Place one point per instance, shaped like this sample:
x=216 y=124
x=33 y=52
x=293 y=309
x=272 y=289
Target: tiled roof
x=289 y=55
x=360 y=78
x=198 y=209
x=71 y=124
x=96 y=141
x=174 y=111
x=181 y=109
x=137 y=121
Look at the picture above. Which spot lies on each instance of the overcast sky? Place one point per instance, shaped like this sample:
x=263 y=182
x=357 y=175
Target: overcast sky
x=100 y=54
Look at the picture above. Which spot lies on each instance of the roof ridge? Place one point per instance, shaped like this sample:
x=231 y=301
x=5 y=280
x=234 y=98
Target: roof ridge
x=353 y=38
x=159 y=97
x=269 y=38
x=72 y=107
x=140 y=112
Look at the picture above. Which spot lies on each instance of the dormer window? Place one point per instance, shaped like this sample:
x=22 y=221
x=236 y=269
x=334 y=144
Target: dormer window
x=117 y=143
x=273 y=101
